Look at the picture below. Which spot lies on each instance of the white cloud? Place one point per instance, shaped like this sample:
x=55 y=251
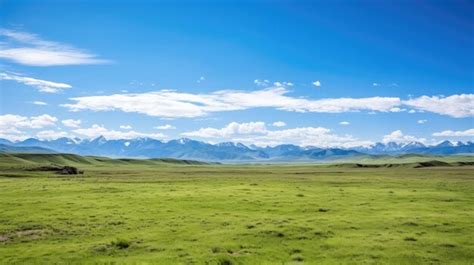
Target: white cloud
x=317 y=83
x=264 y=83
x=232 y=129
x=51 y=134
x=40 y=103
x=165 y=127
x=200 y=79
x=11 y=125
x=125 y=127
x=282 y=84
x=344 y=123
x=398 y=137
x=257 y=133
x=279 y=124
x=375 y=84
x=422 y=121
x=458 y=106
x=173 y=104
x=29 y=49
x=99 y=130
x=41 y=85
x=397 y=109
x=38 y=122
x=450 y=133
x=71 y=123
x=412 y=111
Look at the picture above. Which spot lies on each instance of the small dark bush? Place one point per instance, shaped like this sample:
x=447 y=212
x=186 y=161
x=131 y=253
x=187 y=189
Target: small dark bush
x=121 y=244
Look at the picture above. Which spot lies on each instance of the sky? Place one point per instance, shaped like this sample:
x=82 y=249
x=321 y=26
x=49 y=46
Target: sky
x=319 y=73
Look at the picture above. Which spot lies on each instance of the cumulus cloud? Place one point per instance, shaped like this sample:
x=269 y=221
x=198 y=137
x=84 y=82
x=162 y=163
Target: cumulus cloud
x=282 y=84
x=422 y=121
x=344 y=123
x=41 y=85
x=37 y=122
x=125 y=127
x=264 y=83
x=231 y=130
x=165 y=127
x=375 y=84
x=98 y=130
x=71 y=123
x=317 y=83
x=450 y=133
x=257 y=133
x=40 y=103
x=173 y=104
x=279 y=124
x=458 y=106
x=397 y=109
x=201 y=79
x=51 y=135
x=398 y=137
x=11 y=126
x=29 y=49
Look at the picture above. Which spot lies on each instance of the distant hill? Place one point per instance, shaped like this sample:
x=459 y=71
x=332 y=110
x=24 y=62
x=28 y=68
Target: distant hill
x=77 y=160
x=35 y=161
x=188 y=149
x=24 y=149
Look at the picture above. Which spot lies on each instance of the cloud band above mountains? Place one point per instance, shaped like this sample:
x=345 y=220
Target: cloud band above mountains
x=174 y=104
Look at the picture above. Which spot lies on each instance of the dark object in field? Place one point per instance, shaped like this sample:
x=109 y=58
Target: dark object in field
x=120 y=244
x=66 y=170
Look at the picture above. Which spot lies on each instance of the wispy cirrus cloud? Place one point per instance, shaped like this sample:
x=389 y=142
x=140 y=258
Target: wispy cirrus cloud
x=42 y=85
x=40 y=103
x=30 y=49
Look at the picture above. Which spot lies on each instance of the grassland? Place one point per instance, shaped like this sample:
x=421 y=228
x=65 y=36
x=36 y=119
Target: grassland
x=174 y=212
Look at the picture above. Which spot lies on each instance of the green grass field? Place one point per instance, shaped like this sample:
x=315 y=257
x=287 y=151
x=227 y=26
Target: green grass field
x=173 y=212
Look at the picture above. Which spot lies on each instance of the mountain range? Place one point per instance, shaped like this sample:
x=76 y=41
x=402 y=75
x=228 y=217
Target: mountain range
x=185 y=148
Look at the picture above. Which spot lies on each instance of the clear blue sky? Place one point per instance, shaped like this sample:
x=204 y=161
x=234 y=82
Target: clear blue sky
x=399 y=70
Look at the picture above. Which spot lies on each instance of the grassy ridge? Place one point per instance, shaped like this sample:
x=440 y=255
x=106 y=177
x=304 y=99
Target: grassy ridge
x=77 y=160
x=171 y=213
